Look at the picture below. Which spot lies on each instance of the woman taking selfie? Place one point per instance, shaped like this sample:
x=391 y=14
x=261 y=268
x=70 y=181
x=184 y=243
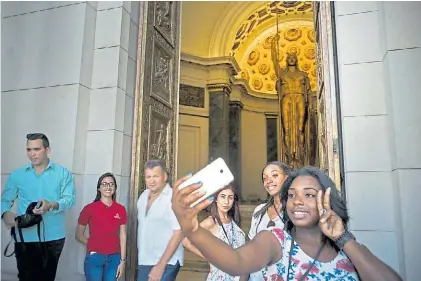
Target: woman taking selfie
x=106 y=245
x=224 y=223
x=315 y=245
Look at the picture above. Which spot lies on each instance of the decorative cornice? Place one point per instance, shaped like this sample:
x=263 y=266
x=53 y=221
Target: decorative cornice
x=227 y=61
x=236 y=103
x=219 y=87
x=271 y=114
x=243 y=84
x=231 y=64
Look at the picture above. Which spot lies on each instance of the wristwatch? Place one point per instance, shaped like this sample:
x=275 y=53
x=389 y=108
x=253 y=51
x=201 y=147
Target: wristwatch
x=122 y=260
x=345 y=237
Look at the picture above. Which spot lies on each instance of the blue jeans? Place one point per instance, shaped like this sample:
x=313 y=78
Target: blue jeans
x=170 y=272
x=99 y=267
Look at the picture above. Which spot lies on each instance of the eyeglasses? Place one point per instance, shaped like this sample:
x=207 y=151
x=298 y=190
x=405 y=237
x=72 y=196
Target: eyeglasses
x=109 y=184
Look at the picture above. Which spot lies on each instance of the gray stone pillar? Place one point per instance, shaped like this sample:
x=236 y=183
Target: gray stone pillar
x=235 y=108
x=219 y=121
x=272 y=136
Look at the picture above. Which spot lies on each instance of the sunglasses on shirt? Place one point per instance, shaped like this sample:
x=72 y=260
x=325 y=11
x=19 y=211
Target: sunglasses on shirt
x=271 y=224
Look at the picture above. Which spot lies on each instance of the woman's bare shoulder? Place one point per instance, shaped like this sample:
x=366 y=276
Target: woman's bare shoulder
x=208 y=223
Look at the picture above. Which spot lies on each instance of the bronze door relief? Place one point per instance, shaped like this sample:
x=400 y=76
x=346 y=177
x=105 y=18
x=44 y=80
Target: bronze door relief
x=156 y=104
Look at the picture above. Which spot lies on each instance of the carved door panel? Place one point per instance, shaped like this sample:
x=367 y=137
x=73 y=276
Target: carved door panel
x=321 y=134
x=328 y=104
x=156 y=103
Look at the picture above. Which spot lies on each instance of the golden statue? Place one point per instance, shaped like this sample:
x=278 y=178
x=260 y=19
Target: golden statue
x=293 y=88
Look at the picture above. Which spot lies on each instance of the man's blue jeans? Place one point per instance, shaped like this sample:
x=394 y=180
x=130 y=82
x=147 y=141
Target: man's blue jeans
x=99 y=267
x=170 y=272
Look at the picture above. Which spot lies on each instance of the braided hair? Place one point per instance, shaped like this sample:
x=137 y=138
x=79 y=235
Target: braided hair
x=271 y=200
x=336 y=202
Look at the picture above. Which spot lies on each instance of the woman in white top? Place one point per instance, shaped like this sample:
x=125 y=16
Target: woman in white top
x=224 y=223
x=314 y=246
x=268 y=214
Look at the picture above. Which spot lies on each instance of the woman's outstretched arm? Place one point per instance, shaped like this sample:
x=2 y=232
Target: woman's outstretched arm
x=261 y=251
x=207 y=224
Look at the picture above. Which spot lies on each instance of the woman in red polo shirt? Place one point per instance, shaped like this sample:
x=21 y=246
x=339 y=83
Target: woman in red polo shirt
x=106 y=245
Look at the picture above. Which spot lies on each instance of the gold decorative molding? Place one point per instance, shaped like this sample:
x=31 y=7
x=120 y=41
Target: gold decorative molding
x=227 y=62
x=295 y=38
x=252 y=44
x=246 y=89
x=267 y=13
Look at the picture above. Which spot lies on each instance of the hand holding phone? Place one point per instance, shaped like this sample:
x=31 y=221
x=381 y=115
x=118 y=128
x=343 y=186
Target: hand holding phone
x=214 y=177
x=39 y=204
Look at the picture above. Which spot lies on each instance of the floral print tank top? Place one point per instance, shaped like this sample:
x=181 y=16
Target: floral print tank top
x=236 y=238
x=339 y=269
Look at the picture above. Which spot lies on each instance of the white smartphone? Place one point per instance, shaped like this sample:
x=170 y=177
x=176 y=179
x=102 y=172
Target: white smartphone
x=214 y=177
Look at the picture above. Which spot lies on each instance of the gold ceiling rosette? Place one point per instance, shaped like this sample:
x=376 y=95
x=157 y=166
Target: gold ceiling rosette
x=252 y=45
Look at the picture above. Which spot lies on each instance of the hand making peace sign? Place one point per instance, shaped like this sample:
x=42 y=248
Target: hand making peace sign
x=330 y=223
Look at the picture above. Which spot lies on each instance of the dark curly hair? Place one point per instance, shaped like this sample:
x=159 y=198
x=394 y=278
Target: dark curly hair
x=337 y=204
x=271 y=200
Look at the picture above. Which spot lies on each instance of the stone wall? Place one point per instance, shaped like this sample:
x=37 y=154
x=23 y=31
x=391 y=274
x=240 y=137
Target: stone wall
x=71 y=70
x=379 y=56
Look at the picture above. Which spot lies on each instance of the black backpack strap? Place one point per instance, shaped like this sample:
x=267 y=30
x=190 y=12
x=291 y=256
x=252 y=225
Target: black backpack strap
x=22 y=241
x=21 y=235
x=44 y=250
x=13 y=234
x=39 y=231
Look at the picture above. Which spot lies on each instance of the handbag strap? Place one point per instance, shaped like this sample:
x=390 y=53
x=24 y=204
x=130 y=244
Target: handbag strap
x=13 y=234
x=312 y=264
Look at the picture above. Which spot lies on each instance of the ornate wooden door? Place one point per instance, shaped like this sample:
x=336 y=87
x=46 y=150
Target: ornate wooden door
x=156 y=105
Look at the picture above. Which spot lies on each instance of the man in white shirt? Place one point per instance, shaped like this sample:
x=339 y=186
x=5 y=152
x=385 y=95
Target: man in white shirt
x=159 y=236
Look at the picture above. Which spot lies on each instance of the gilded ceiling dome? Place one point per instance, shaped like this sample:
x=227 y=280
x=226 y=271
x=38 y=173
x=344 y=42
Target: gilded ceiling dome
x=252 y=45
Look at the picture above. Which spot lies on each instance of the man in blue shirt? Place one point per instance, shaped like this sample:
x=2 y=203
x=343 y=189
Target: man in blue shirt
x=52 y=185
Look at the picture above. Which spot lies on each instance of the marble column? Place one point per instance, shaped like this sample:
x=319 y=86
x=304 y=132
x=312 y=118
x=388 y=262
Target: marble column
x=219 y=121
x=272 y=136
x=235 y=108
